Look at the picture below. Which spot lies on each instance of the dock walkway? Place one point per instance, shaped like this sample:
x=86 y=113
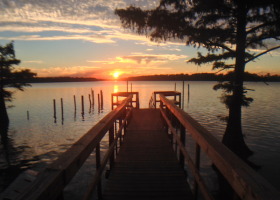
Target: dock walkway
x=146 y=166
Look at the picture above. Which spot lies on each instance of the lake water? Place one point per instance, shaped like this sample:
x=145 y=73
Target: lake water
x=37 y=141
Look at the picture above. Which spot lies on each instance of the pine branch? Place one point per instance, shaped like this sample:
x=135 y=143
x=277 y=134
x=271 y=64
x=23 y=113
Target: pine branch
x=269 y=24
x=260 y=54
x=222 y=46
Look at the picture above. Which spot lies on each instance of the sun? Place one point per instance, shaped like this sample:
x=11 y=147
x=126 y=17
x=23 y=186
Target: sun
x=116 y=75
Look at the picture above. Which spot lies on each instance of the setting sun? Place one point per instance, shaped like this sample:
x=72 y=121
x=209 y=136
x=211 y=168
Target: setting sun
x=116 y=75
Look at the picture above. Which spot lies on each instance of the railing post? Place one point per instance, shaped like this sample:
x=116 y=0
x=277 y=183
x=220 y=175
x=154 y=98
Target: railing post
x=98 y=164
x=137 y=101
x=183 y=140
x=115 y=133
x=112 y=101
x=120 y=125
x=124 y=127
x=111 y=140
x=197 y=165
x=155 y=99
x=182 y=99
x=174 y=141
x=168 y=114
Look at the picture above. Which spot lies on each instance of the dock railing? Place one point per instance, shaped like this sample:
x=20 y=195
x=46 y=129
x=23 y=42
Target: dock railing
x=50 y=183
x=174 y=96
x=244 y=181
x=119 y=95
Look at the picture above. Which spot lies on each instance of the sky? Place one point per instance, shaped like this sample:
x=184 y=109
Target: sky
x=84 y=38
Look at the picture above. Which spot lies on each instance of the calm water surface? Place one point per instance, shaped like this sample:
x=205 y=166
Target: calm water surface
x=36 y=142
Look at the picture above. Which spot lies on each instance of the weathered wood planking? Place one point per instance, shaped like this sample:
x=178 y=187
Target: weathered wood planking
x=146 y=167
x=247 y=183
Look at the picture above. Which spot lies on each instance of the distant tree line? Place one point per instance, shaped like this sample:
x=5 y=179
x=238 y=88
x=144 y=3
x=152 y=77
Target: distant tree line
x=60 y=79
x=206 y=77
x=166 y=77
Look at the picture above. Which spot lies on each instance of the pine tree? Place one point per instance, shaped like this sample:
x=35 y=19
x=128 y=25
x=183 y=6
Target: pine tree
x=9 y=77
x=229 y=31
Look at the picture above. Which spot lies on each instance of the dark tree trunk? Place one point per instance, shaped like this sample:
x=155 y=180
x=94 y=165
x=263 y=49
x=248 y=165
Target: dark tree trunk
x=4 y=119
x=233 y=137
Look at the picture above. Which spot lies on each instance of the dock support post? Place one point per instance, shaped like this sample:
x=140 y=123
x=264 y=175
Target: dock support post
x=92 y=96
x=183 y=140
x=61 y=103
x=183 y=93
x=124 y=128
x=115 y=132
x=83 y=107
x=98 y=103
x=120 y=125
x=126 y=86
x=197 y=165
x=54 y=111
x=75 y=105
x=188 y=92
x=89 y=102
x=111 y=141
x=75 y=108
x=101 y=98
x=112 y=102
x=98 y=164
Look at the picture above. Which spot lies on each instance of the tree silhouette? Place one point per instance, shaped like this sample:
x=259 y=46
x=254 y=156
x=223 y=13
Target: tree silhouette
x=230 y=31
x=10 y=78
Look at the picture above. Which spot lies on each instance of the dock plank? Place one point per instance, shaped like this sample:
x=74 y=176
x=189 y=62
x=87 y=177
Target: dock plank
x=146 y=167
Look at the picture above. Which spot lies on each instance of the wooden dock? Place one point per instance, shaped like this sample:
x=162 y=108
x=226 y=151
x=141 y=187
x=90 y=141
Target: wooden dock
x=146 y=166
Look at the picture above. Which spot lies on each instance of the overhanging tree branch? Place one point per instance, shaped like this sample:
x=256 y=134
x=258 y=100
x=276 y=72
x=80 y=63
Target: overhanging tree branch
x=222 y=46
x=260 y=54
x=268 y=24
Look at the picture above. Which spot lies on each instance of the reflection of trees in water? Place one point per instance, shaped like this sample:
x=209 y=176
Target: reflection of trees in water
x=15 y=159
x=11 y=165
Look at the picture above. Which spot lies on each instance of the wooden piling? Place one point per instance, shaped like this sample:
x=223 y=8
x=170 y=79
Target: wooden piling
x=101 y=99
x=89 y=98
x=54 y=109
x=83 y=107
x=126 y=86
x=27 y=115
x=61 y=104
x=175 y=87
x=92 y=96
x=75 y=106
x=188 y=92
x=130 y=87
x=98 y=102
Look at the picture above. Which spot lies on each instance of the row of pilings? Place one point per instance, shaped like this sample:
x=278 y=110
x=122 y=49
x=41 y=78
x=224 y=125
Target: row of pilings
x=91 y=100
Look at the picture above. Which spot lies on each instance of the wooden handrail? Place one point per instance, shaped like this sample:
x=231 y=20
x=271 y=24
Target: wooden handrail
x=188 y=159
x=247 y=183
x=109 y=152
x=50 y=183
